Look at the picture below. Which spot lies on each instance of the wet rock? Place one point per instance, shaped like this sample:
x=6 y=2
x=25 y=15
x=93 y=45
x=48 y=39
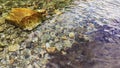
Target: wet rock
x=24 y=18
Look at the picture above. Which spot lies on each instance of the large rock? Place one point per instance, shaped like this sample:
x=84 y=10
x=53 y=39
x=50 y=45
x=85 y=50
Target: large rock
x=24 y=18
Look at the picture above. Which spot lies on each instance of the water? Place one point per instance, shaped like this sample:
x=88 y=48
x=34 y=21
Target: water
x=104 y=15
x=102 y=21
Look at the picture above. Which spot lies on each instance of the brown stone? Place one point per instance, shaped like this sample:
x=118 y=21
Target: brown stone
x=24 y=18
x=12 y=61
x=64 y=38
x=51 y=49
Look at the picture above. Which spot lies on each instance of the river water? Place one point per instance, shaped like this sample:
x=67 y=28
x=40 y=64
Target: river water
x=101 y=18
x=104 y=14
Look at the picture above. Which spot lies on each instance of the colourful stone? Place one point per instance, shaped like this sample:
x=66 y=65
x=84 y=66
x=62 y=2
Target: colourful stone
x=25 y=18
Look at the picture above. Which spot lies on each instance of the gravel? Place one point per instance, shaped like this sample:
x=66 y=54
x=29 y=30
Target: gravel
x=86 y=35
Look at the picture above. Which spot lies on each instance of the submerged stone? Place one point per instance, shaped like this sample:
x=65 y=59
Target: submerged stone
x=25 y=18
x=13 y=47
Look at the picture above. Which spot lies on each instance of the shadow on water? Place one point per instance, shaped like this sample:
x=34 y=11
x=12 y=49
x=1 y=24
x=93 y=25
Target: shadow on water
x=102 y=52
x=78 y=56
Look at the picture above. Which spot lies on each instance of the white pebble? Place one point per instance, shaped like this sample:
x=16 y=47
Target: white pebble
x=47 y=45
x=29 y=66
x=71 y=34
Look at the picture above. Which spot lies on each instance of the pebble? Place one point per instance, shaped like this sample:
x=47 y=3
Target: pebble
x=0 y=6
x=12 y=61
x=63 y=52
x=13 y=47
x=2 y=20
x=36 y=65
x=67 y=43
x=30 y=45
x=3 y=44
x=0 y=13
x=71 y=34
x=58 y=12
x=1 y=49
x=51 y=49
x=27 y=56
x=86 y=37
x=64 y=38
x=58 y=46
x=35 y=39
x=45 y=38
x=56 y=39
x=29 y=66
x=47 y=45
x=1 y=29
x=2 y=35
x=43 y=45
x=3 y=61
x=42 y=53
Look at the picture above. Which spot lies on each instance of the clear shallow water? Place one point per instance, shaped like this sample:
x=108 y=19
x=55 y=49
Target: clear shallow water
x=104 y=15
x=101 y=18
